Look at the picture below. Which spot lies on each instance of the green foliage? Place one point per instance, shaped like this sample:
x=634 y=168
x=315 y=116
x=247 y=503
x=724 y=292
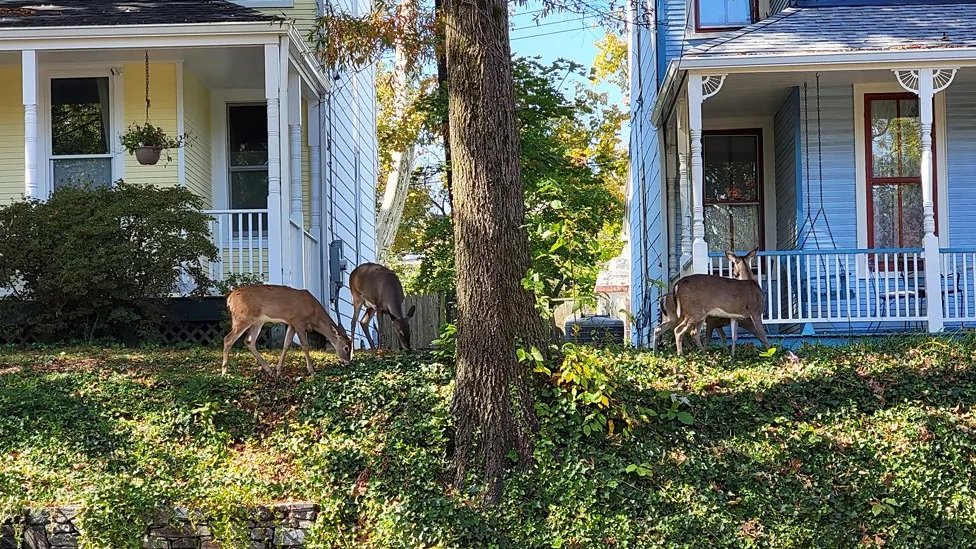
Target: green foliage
x=868 y=445
x=573 y=169
x=92 y=263
x=236 y=280
x=148 y=135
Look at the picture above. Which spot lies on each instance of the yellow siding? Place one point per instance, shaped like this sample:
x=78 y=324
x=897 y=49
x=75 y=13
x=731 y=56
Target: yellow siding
x=12 y=134
x=163 y=113
x=306 y=169
x=196 y=113
x=304 y=14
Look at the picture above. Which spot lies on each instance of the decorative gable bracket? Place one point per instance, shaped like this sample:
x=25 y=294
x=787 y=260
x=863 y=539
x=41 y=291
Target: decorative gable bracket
x=941 y=78
x=712 y=84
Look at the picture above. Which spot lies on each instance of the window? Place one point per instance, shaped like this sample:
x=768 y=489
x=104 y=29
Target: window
x=80 y=132
x=247 y=136
x=893 y=154
x=718 y=15
x=733 y=191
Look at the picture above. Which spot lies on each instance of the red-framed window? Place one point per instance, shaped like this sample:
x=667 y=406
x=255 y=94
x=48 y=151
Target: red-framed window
x=894 y=177
x=732 y=196
x=722 y=15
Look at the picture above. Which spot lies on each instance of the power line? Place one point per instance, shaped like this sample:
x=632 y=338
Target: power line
x=551 y=23
x=550 y=33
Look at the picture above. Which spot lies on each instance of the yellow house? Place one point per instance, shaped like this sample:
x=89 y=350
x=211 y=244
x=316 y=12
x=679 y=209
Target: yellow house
x=282 y=152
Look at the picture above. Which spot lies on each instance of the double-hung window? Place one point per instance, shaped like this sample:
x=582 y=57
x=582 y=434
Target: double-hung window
x=733 y=189
x=247 y=129
x=718 y=15
x=81 y=131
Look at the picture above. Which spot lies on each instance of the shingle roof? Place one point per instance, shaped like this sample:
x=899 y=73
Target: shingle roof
x=82 y=13
x=811 y=30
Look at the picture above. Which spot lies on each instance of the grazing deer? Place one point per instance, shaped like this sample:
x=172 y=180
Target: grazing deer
x=669 y=319
x=700 y=296
x=379 y=289
x=252 y=306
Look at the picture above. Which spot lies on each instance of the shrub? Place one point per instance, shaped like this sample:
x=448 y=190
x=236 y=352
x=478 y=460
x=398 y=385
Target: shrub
x=92 y=263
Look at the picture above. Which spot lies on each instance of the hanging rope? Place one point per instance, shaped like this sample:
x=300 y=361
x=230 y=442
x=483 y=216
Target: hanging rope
x=147 y=87
x=810 y=222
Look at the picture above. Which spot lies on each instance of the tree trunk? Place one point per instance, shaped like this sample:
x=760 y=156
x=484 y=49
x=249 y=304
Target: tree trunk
x=440 y=53
x=492 y=404
x=401 y=165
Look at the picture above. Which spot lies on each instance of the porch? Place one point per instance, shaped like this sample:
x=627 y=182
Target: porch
x=248 y=97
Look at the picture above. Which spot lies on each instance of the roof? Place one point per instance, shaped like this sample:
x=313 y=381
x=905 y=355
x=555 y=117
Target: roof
x=834 y=28
x=84 y=13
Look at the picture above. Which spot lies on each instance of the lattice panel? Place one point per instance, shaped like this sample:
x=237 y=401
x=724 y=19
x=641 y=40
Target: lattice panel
x=209 y=333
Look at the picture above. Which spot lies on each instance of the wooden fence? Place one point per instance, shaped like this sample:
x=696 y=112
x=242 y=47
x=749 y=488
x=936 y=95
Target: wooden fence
x=425 y=326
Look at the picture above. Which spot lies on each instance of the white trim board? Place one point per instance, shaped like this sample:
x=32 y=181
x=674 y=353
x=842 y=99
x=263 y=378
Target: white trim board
x=219 y=99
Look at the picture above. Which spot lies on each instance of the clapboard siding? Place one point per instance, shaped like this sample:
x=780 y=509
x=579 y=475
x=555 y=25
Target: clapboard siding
x=12 y=130
x=786 y=131
x=960 y=152
x=196 y=114
x=836 y=159
x=163 y=112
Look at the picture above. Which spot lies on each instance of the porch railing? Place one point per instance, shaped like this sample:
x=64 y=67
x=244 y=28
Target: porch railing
x=959 y=284
x=858 y=285
x=241 y=238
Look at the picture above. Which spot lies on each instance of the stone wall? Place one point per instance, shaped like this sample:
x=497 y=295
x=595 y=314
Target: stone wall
x=283 y=525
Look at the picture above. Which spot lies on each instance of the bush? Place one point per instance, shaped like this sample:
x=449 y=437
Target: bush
x=92 y=263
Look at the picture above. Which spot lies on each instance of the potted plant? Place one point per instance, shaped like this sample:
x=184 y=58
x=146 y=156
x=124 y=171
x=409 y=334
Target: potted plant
x=148 y=141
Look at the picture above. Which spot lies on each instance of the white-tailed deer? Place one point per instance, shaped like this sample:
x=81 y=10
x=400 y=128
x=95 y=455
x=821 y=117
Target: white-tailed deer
x=700 y=296
x=251 y=307
x=379 y=289
x=669 y=319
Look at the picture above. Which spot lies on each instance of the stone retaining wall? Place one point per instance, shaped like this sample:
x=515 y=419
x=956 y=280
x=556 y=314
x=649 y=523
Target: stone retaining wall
x=283 y=525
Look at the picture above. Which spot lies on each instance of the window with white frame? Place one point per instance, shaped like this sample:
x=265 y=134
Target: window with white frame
x=732 y=199
x=247 y=137
x=81 y=130
x=715 y=15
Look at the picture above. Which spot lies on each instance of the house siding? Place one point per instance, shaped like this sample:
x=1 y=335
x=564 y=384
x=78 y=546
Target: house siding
x=961 y=149
x=303 y=13
x=12 y=130
x=162 y=112
x=648 y=243
x=786 y=134
x=836 y=161
x=196 y=114
x=306 y=171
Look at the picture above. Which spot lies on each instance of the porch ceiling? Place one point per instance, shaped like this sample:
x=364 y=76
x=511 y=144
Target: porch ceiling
x=761 y=94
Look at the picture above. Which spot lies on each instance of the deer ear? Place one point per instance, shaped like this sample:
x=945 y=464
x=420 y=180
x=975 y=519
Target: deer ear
x=730 y=255
x=413 y=309
x=752 y=254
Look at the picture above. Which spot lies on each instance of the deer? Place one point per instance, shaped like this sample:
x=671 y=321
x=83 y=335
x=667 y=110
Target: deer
x=669 y=319
x=379 y=289
x=738 y=299
x=251 y=307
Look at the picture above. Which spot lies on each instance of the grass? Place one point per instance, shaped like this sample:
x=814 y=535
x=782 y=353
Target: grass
x=871 y=445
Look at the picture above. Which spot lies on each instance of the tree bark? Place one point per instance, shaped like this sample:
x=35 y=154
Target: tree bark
x=401 y=165
x=492 y=404
x=440 y=54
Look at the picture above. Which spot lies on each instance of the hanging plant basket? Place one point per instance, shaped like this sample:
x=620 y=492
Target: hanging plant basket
x=148 y=156
x=147 y=141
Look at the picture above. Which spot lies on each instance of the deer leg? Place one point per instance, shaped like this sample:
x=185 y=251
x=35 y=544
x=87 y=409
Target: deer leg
x=721 y=334
x=735 y=325
x=357 y=303
x=252 y=344
x=289 y=335
x=658 y=330
x=696 y=334
x=364 y=322
x=303 y=340
x=679 y=334
x=229 y=340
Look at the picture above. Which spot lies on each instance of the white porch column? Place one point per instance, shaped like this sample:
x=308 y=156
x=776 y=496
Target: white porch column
x=926 y=83
x=272 y=93
x=684 y=185
x=29 y=83
x=700 y=88
x=672 y=211
x=315 y=197
x=296 y=213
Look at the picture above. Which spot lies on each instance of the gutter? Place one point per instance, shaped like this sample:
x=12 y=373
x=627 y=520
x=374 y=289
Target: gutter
x=664 y=103
x=124 y=36
x=902 y=58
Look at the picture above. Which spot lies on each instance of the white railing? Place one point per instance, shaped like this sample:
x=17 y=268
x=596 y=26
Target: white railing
x=241 y=237
x=812 y=286
x=958 y=284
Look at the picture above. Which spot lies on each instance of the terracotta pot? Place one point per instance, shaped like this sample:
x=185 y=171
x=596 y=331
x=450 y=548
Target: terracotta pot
x=148 y=156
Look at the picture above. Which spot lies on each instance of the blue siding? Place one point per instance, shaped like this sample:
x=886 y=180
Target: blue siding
x=786 y=134
x=961 y=135
x=836 y=162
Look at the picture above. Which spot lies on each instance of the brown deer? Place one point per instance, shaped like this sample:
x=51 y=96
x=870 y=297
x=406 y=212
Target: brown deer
x=700 y=296
x=379 y=289
x=669 y=319
x=252 y=306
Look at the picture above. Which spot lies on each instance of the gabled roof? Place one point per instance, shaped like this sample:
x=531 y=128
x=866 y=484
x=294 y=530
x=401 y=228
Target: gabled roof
x=848 y=28
x=85 y=13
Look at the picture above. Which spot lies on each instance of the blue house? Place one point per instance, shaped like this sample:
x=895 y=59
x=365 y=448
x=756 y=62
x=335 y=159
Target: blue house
x=837 y=136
